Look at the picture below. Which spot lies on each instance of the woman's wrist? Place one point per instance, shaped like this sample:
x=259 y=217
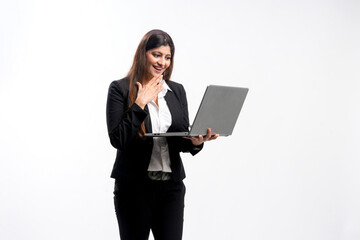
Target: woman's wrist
x=197 y=147
x=196 y=144
x=140 y=103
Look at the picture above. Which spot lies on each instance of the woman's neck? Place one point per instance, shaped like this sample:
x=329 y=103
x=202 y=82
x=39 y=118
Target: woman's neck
x=147 y=78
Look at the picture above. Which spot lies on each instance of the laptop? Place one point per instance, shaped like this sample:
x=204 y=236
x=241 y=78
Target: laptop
x=219 y=110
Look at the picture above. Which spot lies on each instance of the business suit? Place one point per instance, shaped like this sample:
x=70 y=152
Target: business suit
x=133 y=158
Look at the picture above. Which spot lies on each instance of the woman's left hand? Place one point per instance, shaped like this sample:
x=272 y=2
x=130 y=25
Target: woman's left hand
x=201 y=139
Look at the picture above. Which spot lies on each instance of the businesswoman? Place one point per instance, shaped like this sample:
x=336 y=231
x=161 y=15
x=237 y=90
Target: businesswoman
x=149 y=191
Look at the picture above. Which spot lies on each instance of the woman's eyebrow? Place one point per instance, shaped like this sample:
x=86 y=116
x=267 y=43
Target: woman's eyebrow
x=158 y=52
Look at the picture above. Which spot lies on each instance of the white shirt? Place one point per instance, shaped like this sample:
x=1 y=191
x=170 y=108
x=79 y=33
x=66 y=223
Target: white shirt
x=160 y=122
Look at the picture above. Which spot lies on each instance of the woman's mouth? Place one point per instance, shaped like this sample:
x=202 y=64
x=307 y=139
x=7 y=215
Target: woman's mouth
x=158 y=69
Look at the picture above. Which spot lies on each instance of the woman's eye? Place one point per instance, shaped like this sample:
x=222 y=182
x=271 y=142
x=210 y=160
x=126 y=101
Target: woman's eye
x=156 y=55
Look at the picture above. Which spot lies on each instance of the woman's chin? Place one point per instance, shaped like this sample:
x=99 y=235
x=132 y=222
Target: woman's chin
x=156 y=74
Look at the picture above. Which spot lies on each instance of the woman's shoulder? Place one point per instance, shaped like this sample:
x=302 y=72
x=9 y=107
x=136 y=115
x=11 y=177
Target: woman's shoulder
x=122 y=83
x=120 y=86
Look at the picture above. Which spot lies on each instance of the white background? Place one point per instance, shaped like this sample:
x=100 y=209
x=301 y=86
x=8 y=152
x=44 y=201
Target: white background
x=290 y=170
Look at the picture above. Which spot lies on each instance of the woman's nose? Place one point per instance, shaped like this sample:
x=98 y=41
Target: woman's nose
x=161 y=61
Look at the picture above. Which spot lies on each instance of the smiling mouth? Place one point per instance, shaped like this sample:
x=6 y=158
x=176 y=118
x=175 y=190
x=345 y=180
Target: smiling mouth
x=158 y=69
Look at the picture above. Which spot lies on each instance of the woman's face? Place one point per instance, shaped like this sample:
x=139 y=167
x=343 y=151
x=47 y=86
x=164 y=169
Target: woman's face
x=158 y=60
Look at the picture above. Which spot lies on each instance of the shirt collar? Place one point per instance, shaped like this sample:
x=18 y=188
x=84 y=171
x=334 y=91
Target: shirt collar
x=165 y=89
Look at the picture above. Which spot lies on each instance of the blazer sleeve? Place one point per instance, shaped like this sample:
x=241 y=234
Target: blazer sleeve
x=122 y=123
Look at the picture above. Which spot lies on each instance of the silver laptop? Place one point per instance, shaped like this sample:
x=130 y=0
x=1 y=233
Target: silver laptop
x=219 y=110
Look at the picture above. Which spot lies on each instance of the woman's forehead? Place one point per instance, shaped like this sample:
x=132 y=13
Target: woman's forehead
x=163 y=49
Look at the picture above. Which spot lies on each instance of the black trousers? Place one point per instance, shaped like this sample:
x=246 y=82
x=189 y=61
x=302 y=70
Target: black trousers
x=148 y=204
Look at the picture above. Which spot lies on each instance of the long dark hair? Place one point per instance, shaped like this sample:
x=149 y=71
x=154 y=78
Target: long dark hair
x=138 y=71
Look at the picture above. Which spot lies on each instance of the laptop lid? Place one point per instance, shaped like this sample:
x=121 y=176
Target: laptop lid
x=219 y=110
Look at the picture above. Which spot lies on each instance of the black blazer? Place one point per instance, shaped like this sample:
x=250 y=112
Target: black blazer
x=134 y=153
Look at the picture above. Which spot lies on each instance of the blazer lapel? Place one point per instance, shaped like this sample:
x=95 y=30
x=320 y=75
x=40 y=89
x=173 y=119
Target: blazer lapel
x=175 y=110
x=147 y=121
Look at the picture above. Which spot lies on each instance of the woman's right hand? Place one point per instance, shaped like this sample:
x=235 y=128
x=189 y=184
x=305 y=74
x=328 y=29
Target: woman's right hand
x=148 y=91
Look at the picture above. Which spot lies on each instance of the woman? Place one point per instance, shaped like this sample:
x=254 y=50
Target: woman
x=149 y=190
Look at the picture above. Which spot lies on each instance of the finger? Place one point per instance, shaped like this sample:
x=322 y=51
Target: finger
x=161 y=83
x=208 y=135
x=156 y=79
x=158 y=86
x=192 y=137
x=139 y=85
x=158 y=90
x=214 y=137
x=194 y=140
x=152 y=81
x=201 y=138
